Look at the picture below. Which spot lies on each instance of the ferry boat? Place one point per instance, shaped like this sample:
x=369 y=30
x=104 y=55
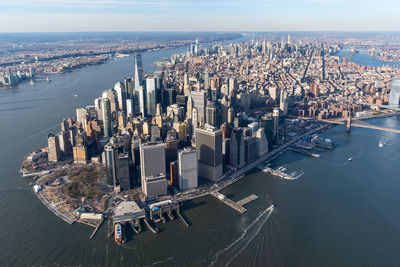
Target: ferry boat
x=118 y=233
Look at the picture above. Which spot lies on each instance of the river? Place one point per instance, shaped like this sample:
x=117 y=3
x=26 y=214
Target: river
x=339 y=213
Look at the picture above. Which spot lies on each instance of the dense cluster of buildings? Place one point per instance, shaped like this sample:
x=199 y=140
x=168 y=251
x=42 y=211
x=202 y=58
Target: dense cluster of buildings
x=212 y=110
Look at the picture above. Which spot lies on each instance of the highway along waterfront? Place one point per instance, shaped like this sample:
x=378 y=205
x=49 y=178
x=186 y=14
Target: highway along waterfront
x=339 y=212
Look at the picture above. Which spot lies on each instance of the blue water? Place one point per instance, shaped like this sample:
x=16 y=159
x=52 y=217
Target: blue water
x=363 y=58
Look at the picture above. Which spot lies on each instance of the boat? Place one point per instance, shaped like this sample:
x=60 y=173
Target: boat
x=350 y=159
x=75 y=95
x=118 y=233
x=381 y=143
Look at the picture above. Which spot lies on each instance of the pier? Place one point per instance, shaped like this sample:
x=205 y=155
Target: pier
x=96 y=228
x=238 y=206
x=305 y=152
x=247 y=200
x=149 y=226
x=277 y=172
x=183 y=219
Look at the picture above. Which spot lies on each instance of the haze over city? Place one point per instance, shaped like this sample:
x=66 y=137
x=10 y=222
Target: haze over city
x=181 y=15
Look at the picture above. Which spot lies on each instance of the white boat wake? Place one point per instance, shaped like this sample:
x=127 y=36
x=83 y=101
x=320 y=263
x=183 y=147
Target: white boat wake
x=237 y=246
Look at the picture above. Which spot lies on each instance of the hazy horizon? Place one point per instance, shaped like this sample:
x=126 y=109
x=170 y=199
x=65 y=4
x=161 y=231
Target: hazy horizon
x=17 y=16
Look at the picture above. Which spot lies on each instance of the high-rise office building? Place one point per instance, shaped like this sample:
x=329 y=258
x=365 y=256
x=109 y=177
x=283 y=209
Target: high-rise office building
x=188 y=169
x=107 y=119
x=171 y=150
x=200 y=101
x=64 y=143
x=80 y=113
x=129 y=87
x=150 y=94
x=284 y=103
x=54 y=153
x=182 y=132
x=275 y=115
x=111 y=161
x=124 y=177
x=237 y=148
x=121 y=120
x=394 y=97
x=206 y=80
x=152 y=166
x=129 y=108
x=142 y=103
x=267 y=123
x=174 y=173
x=110 y=95
x=212 y=114
x=189 y=107
x=138 y=72
x=195 y=120
x=250 y=149
x=261 y=142
x=209 y=149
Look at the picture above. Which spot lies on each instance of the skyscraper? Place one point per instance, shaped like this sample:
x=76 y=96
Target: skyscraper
x=189 y=107
x=188 y=169
x=237 y=149
x=123 y=172
x=107 y=120
x=200 y=101
x=212 y=114
x=138 y=70
x=142 y=103
x=129 y=108
x=121 y=95
x=151 y=95
x=129 y=83
x=54 y=153
x=262 y=143
x=267 y=124
x=275 y=115
x=209 y=150
x=111 y=160
x=394 y=98
x=284 y=104
x=152 y=166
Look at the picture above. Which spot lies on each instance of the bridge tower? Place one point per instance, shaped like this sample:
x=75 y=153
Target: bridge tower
x=348 y=125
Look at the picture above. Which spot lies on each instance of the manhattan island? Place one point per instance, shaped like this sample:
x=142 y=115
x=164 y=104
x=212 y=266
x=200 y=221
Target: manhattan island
x=197 y=126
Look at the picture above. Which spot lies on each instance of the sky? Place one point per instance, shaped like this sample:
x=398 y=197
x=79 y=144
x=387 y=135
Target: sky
x=198 y=15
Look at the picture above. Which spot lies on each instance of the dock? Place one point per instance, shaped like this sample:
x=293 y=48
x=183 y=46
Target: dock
x=238 y=206
x=149 y=226
x=306 y=152
x=96 y=228
x=247 y=200
x=277 y=172
x=183 y=219
x=133 y=227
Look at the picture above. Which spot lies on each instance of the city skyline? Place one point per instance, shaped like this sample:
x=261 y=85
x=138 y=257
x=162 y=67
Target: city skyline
x=176 y=15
